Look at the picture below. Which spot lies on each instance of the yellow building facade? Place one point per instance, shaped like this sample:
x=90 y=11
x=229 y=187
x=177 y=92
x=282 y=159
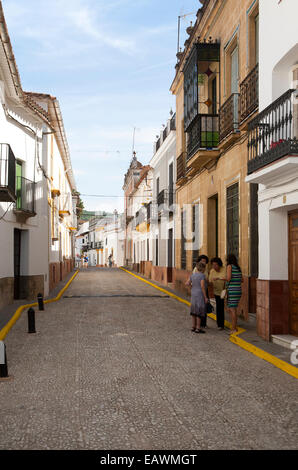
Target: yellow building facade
x=216 y=89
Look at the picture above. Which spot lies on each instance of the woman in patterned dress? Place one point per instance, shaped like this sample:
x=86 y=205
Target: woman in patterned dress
x=199 y=299
x=234 y=289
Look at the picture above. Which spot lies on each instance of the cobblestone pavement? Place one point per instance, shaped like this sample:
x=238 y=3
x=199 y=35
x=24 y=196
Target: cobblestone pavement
x=108 y=372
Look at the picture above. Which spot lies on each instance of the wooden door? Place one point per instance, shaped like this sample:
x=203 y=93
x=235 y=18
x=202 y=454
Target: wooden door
x=17 y=264
x=170 y=255
x=293 y=271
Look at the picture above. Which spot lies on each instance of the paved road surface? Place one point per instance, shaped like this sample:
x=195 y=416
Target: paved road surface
x=108 y=372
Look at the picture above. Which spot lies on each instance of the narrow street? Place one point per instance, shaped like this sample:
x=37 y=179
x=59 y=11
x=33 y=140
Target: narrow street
x=114 y=365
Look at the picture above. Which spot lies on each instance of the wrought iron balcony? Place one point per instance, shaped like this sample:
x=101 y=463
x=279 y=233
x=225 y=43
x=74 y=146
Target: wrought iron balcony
x=161 y=198
x=148 y=208
x=229 y=116
x=249 y=94
x=273 y=133
x=98 y=245
x=171 y=193
x=152 y=212
x=7 y=174
x=140 y=216
x=25 y=197
x=203 y=133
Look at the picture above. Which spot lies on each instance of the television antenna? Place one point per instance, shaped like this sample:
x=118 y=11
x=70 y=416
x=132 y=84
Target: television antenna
x=182 y=17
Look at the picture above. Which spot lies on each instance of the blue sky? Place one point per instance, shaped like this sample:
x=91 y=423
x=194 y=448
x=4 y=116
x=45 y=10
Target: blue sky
x=110 y=64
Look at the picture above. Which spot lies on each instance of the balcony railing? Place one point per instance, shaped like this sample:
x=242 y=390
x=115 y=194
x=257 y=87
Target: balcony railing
x=249 y=93
x=229 y=116
x=181 y=166
x=171 y=193
x=272 y=134
x=161 y=198
x=140 y=216
x=148 y=208
x=203 y=134
x=7 y=174
x=25 y=192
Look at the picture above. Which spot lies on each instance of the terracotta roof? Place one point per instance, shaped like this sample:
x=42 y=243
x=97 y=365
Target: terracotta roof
x=56 y=122
x=28 y=99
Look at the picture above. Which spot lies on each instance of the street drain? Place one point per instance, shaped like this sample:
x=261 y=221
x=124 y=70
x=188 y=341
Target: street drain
x=108 y=296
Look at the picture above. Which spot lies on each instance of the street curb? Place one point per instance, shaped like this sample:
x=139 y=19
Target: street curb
x=4 y=332
x=234 y=338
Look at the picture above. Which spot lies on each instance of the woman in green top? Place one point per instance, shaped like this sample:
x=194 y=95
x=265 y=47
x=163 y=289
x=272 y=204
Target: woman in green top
x=234 y=289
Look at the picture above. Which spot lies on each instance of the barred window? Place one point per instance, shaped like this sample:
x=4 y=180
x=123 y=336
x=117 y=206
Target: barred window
x=233 y=219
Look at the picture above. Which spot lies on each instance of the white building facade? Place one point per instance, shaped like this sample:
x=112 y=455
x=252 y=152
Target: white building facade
x=26 y=129
x=142 y=196
x=162 y=231
x=273 y=165
x=99 y=239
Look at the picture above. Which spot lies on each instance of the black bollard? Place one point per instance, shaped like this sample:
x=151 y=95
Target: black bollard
x=31 y=321
x=3 y=361
x=40 y=302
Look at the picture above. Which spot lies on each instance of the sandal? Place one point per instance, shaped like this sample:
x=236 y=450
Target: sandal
x=200 y=331
x=193 y=330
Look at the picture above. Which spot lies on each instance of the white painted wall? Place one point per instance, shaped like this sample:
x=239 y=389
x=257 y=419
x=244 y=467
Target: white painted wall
x=35 y=239
x=278 y=56
x=59 y=180
x=160 y=163
x=278 y=47
x=274 y=205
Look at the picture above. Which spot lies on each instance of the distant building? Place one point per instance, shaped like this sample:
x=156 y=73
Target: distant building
x=137 y=197
x=99 y=238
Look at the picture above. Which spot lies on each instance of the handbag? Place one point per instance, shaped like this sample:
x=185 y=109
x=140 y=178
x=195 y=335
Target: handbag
x=210 y=309
x=223 y=294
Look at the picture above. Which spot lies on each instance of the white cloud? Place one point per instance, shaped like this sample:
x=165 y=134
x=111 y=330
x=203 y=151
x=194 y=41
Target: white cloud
x=83 y=19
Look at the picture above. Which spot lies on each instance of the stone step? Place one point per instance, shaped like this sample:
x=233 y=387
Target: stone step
x=285 y=341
